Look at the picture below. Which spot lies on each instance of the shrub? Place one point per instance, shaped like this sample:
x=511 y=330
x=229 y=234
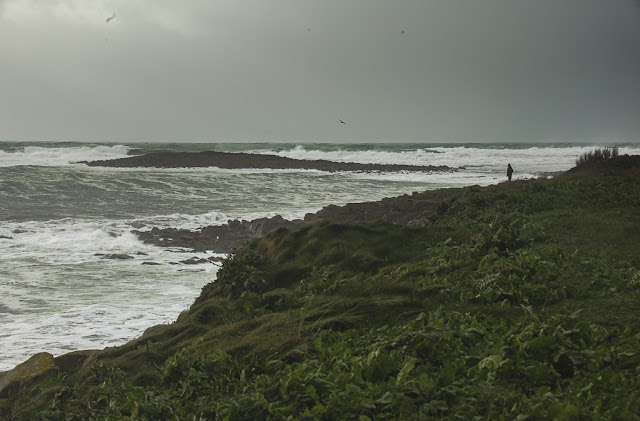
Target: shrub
x=243 y=274
x=597 y=155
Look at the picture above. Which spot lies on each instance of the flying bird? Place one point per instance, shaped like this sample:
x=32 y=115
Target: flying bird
x=342 y=121
x=110 y=18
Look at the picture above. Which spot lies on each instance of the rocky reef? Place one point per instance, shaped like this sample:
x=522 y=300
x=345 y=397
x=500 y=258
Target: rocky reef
x=239 y=160
x=218 y=239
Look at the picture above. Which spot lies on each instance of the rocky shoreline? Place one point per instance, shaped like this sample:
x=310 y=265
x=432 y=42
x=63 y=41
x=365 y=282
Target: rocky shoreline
x=416 y=208
x=227 y=237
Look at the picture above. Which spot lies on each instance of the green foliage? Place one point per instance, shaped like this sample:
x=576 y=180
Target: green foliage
x=598 y=154
x=519 y=301
x=349 y=248
x=441 y=364
x=242 y=274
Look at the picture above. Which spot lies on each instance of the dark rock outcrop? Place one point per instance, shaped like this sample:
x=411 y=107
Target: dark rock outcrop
x=414 y=209
x=199 y=260
x=245 y=160
x=220 y=239
x=115 y=256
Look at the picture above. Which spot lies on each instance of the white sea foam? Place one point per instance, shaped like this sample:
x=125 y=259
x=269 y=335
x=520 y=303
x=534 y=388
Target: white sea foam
x=62 y=289
x=194 y=222
x=42 y=156
x=75 y=242
x=413 y=157
x=532 y=160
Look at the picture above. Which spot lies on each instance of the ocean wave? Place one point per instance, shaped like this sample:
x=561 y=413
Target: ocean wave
x=61 y=289
x=531 y=158
x=402 y=157
x=59 y=156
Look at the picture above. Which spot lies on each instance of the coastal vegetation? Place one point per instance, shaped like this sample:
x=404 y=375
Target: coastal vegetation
x=597 y=154
x=518 y=301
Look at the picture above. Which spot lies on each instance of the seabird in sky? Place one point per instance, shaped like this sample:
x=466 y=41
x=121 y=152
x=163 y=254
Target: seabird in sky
x=342 y=121
x=110 y=18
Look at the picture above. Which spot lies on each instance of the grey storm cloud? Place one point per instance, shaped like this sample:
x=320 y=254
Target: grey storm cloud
x=290 y=70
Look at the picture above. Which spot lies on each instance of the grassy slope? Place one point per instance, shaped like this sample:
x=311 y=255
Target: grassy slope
x=521 y=299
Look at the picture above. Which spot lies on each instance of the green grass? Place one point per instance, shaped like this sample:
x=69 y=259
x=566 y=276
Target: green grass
x=517 y=301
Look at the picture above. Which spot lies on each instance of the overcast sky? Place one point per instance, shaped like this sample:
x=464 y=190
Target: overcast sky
x=290 y=70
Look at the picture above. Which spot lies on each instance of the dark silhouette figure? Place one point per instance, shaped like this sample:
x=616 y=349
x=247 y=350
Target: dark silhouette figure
x=509 y=171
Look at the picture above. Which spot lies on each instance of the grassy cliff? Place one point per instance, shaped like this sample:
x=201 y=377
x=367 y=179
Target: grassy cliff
x=515 y=301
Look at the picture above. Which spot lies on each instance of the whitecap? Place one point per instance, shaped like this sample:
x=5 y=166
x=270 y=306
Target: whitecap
x=60 y=156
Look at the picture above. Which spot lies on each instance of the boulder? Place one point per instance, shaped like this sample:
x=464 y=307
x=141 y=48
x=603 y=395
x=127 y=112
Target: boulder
x=115 y=256
x=35 y=368
x=194 y=261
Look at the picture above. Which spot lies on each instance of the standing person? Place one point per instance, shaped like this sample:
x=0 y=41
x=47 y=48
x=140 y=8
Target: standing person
x=509 y=171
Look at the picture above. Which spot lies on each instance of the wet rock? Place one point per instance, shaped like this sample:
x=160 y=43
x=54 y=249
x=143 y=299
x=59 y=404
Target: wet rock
x=4 y=237
x=416 y=208
x=140 y=151
x=151 y=263
x=194 y=261
x=35 y=368
x=115 y=256
x=246 y=160
x=220 y=239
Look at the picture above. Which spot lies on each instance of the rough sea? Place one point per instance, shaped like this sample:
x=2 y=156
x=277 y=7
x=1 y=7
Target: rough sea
x=59 y=220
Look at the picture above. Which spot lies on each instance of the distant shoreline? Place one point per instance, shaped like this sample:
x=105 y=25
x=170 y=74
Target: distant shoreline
x=239 y=160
